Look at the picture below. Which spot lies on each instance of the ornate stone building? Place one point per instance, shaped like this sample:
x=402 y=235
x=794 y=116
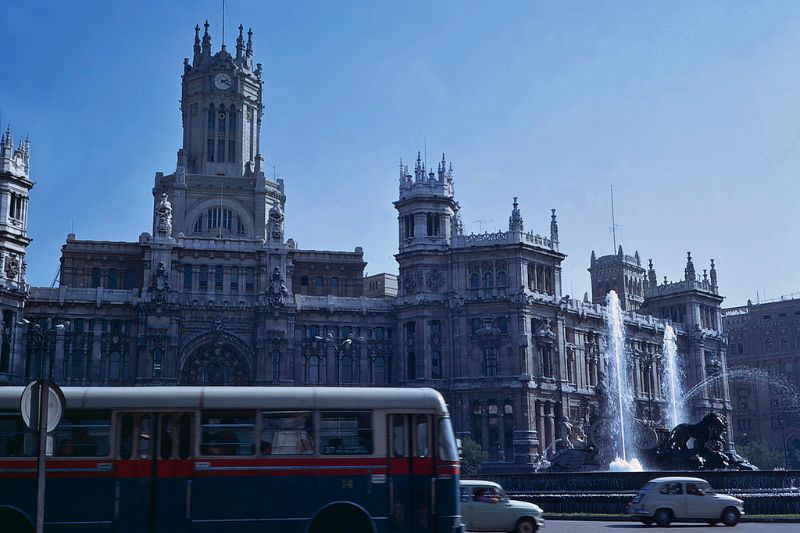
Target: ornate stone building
x=764 y=343
x=215 y=293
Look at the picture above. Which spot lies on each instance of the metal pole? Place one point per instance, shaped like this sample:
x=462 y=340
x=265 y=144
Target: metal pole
x=41 y=466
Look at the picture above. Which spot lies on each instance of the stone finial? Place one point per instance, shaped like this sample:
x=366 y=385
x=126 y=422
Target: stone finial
x=206 y=40
x=553 y=226
x=442 y=169
x=689 y=274
x=240 y=43
x=593 y=260
x=515 y=220
x=249 y=51
x=620 y=253
x=651 y=273
x=196 y=48
x=638 y=259
x=713 y=275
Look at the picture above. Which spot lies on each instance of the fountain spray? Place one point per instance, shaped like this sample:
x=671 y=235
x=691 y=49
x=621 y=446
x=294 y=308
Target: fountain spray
x=620 y=391
x=672 y=380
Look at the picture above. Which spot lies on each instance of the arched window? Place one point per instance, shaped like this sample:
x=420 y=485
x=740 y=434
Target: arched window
x=211 y=118
x=487 y=280
x=95 y=277
x=316 y=369
x=501 y=279
x=157 y=357
x=275 y=361
x=474 y=281
x=221 y=120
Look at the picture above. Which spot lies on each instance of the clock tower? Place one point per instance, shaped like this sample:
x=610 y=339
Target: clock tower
x=221 y=105
x=218 y=189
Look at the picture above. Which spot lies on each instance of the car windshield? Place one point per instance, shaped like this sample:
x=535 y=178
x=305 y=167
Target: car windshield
x=706 y=488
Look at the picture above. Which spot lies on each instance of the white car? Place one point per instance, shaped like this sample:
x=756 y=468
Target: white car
x=684 y=499
x=486 y=507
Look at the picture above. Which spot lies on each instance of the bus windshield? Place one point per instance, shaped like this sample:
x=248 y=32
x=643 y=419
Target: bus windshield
x=447 y=441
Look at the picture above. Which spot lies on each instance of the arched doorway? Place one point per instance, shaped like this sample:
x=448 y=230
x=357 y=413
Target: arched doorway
x=216 y=363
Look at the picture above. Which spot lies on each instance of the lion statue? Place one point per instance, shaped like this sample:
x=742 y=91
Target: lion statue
x=708 y=430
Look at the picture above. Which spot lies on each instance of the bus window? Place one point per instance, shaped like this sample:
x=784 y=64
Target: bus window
x=12 y=435
x=82 y=435
x=185 y=433
x=287 y=433
x=345 y=433
x=422 y=447
x=398 y=435
x=228 y=434
x=166 y=437
x=145 y=434
x=447 y=441
x=126 y=437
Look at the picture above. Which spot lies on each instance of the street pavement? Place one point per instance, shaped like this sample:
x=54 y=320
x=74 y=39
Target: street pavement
x=580 y=526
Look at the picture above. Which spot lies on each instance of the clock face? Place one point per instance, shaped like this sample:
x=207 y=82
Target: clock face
x=222 y=81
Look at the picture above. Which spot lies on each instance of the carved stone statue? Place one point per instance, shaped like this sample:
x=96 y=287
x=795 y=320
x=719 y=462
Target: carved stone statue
x=164 y=214
x=572 y=435
x=12 y=266
x=276 y=222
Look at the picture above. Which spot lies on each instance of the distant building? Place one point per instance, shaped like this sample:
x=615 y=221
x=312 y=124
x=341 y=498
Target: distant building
x=216 y=294
x=766 y=406
x=380 y=285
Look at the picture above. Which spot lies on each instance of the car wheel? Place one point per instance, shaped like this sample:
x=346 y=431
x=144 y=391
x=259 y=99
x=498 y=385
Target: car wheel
x=526 y=525
x=663 y=517
x=730 y=517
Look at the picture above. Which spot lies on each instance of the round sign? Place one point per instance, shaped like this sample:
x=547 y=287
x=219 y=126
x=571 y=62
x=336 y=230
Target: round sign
x=55 y=404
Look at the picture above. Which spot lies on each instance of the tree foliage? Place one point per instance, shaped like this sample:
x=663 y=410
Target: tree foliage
x=761 y=454
x=471 y=456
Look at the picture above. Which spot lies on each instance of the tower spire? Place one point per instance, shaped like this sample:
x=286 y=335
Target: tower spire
x=553 y=226
x=515 y=220
x=206 y=41
x=689 y=274
x=713 y=275
x=196 y=49
x=240 y=44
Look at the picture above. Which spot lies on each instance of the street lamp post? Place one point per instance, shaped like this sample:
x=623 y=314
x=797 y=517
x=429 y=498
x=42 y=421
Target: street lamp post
x=339 y=346
x=647 y=359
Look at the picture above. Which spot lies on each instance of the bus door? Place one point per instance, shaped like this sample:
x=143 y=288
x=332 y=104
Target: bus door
x=155 y=451
x=411 y=473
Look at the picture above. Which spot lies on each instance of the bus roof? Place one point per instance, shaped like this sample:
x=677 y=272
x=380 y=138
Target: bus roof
x=286 y=398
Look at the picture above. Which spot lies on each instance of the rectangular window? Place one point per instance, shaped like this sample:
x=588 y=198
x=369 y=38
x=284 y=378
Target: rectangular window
x=409 y=226
x=221 y=150
x=436 y=364
x=218 y=276
x=210 y=151
x=187 y=277
x=234 y=279
x=287 y=434
x=13 y=437
x=345 y=433
x=203 y=278
x=83 y=435
x=228 y=433
x=231 y=151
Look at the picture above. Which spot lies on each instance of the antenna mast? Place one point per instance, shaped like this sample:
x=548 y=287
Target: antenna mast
x=223 y=24
x=613 y=222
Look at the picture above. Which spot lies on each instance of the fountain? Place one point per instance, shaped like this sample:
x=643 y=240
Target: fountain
x=619 y=394
x=672 y=380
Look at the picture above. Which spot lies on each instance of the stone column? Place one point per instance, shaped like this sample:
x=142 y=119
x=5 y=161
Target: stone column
x=551 y=424
x=540 y=426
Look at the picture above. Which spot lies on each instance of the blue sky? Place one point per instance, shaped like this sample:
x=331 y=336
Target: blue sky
x=690 y=109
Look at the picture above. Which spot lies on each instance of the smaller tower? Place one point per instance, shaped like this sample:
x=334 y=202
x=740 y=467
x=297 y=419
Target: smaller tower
x=515 y=220
x=622 y=273
x=426 y=207
x=15 y=186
